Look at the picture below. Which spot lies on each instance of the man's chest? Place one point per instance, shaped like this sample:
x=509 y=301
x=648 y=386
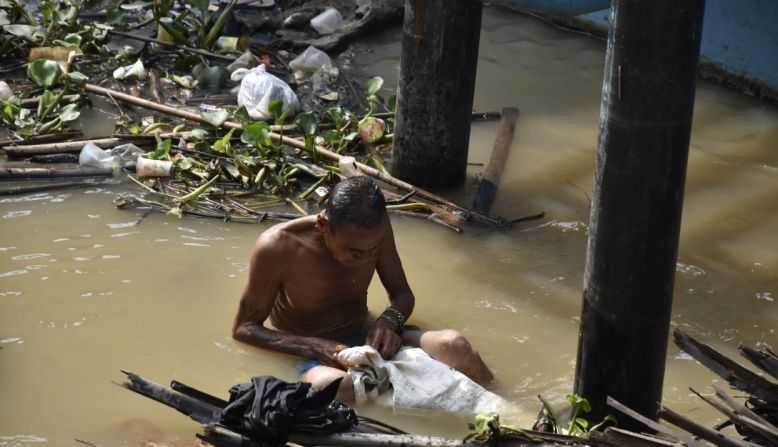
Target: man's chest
x=313 y=284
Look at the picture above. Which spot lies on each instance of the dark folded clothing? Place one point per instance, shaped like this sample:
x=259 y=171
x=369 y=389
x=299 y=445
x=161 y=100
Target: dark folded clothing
x=268 y=409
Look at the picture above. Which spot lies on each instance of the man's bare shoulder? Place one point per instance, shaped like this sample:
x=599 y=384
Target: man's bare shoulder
x=286 y=238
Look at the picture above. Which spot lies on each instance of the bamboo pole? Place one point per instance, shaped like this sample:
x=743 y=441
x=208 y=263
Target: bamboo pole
x=22 y=173
x=47 y=138
x=223 y=437
x=278 y=138
x=700 y=431
x=490 y=180
x=74 y=147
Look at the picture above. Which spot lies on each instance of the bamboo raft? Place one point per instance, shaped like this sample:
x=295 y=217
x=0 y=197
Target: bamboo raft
x=754 y=421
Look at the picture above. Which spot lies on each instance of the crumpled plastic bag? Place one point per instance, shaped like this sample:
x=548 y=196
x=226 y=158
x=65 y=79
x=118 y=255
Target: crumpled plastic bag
x=328 y=21
x=93 y=155
x=310 y=61
x=259 y=88
x=5 y=91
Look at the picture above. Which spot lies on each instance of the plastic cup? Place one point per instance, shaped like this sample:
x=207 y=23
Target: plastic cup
x=145 y=167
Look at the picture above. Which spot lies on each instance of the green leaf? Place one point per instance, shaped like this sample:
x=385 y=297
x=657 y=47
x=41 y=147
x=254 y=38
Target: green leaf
x=46 y=102
x=216 y=29
x=215 y=118
x=184 y=81
x=72 y=40
x=242 y=115
x=276 y=107
x=335 y=114
x=69 y=113
x=78 y=77
x=44 y=72
x=162 y=152
x=202 y=5
x=374 y=84
x=198 y=134
x=222 y=145
x=34 y=34
x=307 y=123
x=391 y=103
x=175 y=212
x=256 y=134
x=280 y=120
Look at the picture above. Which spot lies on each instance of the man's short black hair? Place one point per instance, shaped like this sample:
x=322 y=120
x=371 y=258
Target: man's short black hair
x=357 y=201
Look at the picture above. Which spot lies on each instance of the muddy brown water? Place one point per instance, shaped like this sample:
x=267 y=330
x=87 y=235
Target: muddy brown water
x=84 y=291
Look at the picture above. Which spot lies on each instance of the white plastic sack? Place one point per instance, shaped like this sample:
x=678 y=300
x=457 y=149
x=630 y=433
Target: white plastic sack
x=327 y=22
x=418 y=382
x=5 y=91
x=310 y=60
x=92 y=155
x=259 y=88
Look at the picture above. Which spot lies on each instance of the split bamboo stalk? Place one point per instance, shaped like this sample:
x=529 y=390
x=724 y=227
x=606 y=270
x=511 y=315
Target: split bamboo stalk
x=74 y=147
x=22 y=173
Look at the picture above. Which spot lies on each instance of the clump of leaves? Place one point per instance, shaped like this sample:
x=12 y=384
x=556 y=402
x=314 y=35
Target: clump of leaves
x=57 y=25
x=487 y=428
x=195 y=21
x=573 y=424
x=52 y=115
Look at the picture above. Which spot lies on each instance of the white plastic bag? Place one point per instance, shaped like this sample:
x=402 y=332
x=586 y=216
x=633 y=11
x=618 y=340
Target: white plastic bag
x=327 y=22
x=136 y=70
x=259 y=88
x=310 y=60
x=92 y=155
x=5 y=91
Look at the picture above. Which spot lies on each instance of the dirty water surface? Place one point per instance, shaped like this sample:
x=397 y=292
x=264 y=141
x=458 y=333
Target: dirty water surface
x=87 y=290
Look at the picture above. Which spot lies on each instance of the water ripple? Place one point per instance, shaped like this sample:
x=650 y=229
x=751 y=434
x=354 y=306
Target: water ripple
x=30 y=256
x=15 y=214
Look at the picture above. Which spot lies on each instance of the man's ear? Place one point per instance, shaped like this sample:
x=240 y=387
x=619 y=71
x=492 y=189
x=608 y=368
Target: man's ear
x=322 y=222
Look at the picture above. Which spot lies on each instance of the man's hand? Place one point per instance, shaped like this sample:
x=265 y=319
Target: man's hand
x=384 y=339
x=327 y=352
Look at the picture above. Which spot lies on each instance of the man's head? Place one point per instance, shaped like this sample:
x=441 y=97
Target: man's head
x=353 y=222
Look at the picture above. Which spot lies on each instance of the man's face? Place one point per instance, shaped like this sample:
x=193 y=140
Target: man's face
x=352 y=245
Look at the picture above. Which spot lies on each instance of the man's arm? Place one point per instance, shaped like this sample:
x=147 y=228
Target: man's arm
x=392 y=275
x=263 y=286
x=383 y=336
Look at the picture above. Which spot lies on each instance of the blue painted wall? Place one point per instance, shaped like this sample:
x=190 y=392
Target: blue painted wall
x=739 y=37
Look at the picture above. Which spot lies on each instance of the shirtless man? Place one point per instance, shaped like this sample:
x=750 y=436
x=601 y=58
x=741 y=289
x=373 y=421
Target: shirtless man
x=310 y=277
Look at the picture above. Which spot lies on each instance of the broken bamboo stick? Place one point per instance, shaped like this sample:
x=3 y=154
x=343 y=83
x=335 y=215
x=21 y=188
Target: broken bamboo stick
x=47 y=138
x=653 y=425
x=490 y=180
x=372 y=172
x=700 y=431
x=73 y=147
x=221 y=436
x=25 y=173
